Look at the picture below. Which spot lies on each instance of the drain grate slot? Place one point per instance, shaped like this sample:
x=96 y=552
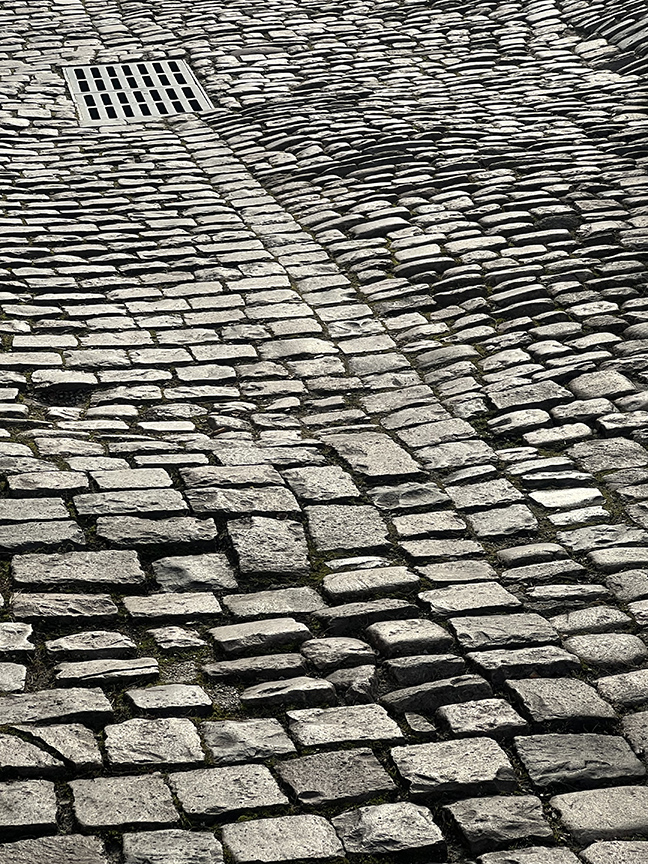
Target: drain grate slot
x=127 y=92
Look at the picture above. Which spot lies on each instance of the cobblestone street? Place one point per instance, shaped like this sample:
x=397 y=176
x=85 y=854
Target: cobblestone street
x=323 y=432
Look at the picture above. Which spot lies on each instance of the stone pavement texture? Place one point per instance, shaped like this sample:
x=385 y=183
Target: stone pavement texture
x=324 y=436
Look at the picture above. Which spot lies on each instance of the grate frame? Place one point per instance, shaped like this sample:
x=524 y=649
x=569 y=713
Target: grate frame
x=132 y=92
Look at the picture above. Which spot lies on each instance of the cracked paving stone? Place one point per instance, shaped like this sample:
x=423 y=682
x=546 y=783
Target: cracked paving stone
x=23 y=759
x=317 y=726
x=490 y=823
x=172 y=846
x=338 y=777
x=72 y=742
x=390 y=828
x=116 y=802
x=163 y=741
x=455 y=768
x=54 y=850
x=289 y=838
x=210 y=792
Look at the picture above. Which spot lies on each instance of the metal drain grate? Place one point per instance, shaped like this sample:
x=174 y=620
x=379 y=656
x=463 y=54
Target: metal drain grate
x=126 y=92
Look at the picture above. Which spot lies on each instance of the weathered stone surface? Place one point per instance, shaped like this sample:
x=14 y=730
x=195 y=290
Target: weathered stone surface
x=300 y=690
x=172 y=846
x=577 y=761
x=561 y=700
x=188 y=605
x=96 y=644
x=54 y=850
x=233 y=741
x=346 y=526
x=334 y=652
x=389 y=828
x=604 y=814
x=164 y=741
x=316 y=726
x=455 y=768
x=429 y=696
x=72 y=704
x=339 y=777
x=493 y=717
x=415 y=636
x=289 y=838
x=78 y=568
x=211 y=792
x=28 y=806
x=533 y=855
x=209 y=572
x=237 y=639
x=93 y=672
x=490 y=823
x=498 y=631
x=269 y=545
x=71 y=742
x=126 y=531
x=282 y=601
x=170 y=699
x=616 y=852
x=373 y=454
x=116 y=802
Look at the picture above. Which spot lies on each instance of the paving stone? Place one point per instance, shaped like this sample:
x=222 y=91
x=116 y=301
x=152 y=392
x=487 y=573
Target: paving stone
x=210 y=792
x=422 y=668
x=170 y=699
x=490 y=823
x=300 y=690
x=455 y=768
x=54 y=850
x=368 y=583
x=289 y=838
x=415 y=636
x=350 y=617
x=373 y=454
x=566 y=700
x=71 y=704
x=494 y=717
x=338 y=526
x=429 y=696
x=316 y=726
x=389 y=828
x=115 y=802
x=238 y=639
x=283 y=601
x=269 y=545
x=603 y=814
x=629 y=689
x=616 y=852
x=339 y=777
x=164 y=741
x=577 y=761
x=234 y=741
x=28 y=806
x=125 y=531
x=498 y=631
x=209 y=572
x=78 y=568
x=336 y=652
x=477 y=597
x=172 y=845
x=532 y=855
x=187 y=605
x=97 y=644
x=91 y=672
x=608 y=651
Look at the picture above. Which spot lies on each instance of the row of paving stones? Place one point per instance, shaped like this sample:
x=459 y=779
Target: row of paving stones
x=362 y=506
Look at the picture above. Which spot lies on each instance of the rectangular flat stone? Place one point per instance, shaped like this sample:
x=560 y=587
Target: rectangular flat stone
x=78 y=568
